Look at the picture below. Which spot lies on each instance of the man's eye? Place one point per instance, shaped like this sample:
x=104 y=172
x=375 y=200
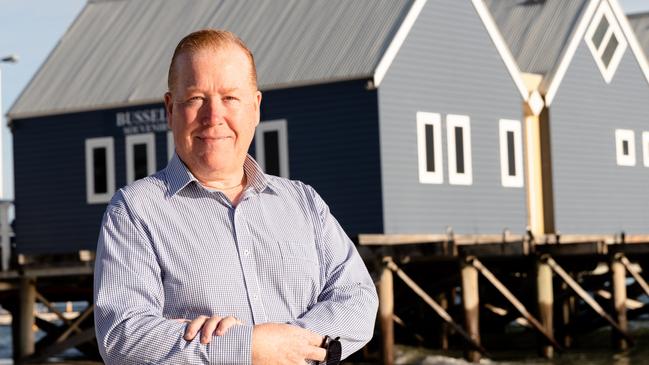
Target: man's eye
x=230 y=98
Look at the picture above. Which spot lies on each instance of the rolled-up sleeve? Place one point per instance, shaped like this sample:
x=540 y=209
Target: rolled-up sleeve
x=129 y=300
x=348 y=303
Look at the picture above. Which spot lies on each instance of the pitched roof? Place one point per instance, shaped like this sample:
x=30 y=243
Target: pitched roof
x=537 y=31
x=117 y=52
x=640 y=24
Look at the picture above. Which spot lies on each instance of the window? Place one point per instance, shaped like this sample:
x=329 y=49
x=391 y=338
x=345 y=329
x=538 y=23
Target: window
x=645 y=148
x=140 y=156
x=271 y=147
x=171 y=146
x=511 y=153
x=625 y=147
x=458 y=141
x=100 y=170
x=429 y=148
x=606 y=41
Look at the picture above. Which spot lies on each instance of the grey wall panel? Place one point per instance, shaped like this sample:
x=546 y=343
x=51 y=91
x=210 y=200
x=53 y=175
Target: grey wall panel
x=592 y=193
x=448 y=65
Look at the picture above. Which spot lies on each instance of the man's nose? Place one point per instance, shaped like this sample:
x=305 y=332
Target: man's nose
x=213 y=112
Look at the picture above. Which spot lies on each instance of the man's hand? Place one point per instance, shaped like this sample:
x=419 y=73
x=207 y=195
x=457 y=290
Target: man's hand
x=284 y=344
x=208 y=327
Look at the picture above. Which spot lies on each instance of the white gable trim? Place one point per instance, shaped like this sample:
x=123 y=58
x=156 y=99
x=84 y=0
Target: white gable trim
x=487 y=20
x=397 y=41
x=501 y=46
x=630 y=36
x=569 y=53
x=578 y=36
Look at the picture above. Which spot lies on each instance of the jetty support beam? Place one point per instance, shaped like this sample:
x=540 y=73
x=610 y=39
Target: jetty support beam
x=586 y=298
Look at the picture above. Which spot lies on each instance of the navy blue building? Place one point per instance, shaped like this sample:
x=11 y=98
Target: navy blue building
x=405 y=115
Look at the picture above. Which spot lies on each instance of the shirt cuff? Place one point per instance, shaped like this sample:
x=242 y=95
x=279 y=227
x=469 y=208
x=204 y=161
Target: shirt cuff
x=233 y=348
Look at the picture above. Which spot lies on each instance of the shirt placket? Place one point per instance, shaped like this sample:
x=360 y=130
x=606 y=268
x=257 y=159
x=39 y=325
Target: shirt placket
x=244 y=242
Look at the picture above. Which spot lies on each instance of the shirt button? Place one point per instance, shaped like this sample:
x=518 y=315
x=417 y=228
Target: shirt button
x=246 y=252
x=255 y=297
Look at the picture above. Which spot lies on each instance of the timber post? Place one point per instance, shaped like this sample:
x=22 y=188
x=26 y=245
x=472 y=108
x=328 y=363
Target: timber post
x=471 y=304
x=386 y=312
x=25 y=320
x=567 y=314
x=545 y=298
x=618 y=280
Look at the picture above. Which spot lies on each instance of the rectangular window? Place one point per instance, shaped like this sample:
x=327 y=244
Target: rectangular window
x=511 y=153
x=170 y=145
x=645 y=148
x=458 y=138
x=100 y=170
x=606 y=41
x=140 y=156
x=429 y=148
x=271 y=147
x=625 y=147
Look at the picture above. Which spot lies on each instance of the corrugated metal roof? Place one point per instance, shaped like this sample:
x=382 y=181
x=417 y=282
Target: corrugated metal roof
x=117 y=52
x=640 y=24
x=537 y=31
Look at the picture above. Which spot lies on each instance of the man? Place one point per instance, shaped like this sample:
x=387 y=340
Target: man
x=210 y=261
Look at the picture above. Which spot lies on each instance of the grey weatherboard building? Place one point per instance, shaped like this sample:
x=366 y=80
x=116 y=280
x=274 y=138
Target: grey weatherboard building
x=352 y=90
x=595 y=84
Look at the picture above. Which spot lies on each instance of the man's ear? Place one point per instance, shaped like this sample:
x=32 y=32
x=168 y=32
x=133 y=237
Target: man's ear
x=169 y=107
x=258 y=106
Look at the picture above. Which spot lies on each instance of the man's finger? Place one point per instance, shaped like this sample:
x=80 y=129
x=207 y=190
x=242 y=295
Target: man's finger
x=314 y=338
x=316 y=353
x=193 y=327
x=208 y=329
x=225 y=325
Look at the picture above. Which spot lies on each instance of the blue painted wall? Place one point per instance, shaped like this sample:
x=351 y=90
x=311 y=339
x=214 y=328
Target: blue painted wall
x=592 y=194
x=448 y=64
x=333 y=146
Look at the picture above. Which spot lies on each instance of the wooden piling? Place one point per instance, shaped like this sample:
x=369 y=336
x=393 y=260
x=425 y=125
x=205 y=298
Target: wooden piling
x=443 y=330
x=386 y=311
x=545 y=298
x=567 y=314
x=618 y=280
x=25 y=320
x=471 y=304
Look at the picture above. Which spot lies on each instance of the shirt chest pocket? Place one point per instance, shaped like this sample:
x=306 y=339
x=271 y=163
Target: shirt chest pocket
x=296 y=252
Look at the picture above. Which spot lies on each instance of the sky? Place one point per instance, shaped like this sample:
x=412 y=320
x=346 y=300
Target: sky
x=32 y=28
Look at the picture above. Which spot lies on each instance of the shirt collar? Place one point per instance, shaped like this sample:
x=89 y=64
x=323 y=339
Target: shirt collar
x=178 y=175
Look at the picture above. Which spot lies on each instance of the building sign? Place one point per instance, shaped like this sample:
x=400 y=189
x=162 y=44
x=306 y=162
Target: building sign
x=142 y=121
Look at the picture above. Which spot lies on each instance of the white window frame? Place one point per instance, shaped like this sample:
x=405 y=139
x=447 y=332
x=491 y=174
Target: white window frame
x=505 y=126
x=434 y=120
x=280 y=126
x=131 y=140
x=463 y=121
x=109 y=145
x=645 y=148
x=620 y=136
x=171 y=145
x=605 y=10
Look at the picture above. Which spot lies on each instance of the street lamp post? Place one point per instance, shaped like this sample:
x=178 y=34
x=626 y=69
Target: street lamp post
x=4 y=205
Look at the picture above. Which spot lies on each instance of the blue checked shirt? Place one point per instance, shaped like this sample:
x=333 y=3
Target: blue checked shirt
x=170 y=248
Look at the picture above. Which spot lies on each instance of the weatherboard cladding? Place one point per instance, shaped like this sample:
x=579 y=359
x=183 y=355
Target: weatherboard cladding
x=640 y=24
x=537 y=31
x=332 y=132
x=592 y=194
x=117 y=53
x=448 y=69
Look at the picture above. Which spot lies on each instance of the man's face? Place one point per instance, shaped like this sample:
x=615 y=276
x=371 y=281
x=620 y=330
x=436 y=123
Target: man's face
x=213 y=110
